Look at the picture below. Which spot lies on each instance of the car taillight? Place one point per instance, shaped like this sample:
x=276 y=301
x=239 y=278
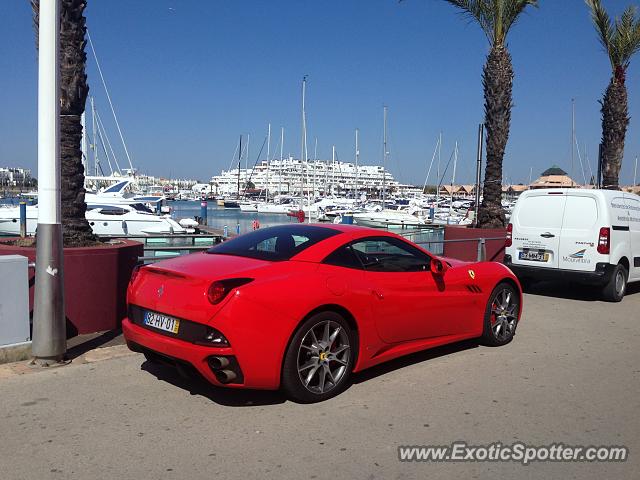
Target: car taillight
x=604 y=241
x=220 y=288
x=134 y=273
x=509 y=241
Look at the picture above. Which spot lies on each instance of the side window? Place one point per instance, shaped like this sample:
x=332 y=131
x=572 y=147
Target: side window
x=344 y=257
x=390 y=255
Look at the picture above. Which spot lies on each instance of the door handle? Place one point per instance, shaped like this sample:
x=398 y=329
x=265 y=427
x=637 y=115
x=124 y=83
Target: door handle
x=377 y=294
x=547 y=235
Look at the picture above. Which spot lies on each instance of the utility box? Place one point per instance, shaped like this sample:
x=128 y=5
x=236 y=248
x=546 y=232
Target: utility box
x=14 y=300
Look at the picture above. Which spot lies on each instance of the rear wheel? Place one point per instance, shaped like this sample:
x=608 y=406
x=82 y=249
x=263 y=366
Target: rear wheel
x=616 y=287
x=501 y=315
x=319 y=360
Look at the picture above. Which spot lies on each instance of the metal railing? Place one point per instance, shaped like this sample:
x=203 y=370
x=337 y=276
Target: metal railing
x=481 y=244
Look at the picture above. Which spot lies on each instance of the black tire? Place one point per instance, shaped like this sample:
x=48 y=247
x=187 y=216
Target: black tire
x=501 y=315
x=616 y=287
x=312 y=359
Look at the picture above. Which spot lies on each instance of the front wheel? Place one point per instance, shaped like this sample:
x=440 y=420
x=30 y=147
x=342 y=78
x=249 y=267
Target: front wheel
x=501 y=315
x=319 y=360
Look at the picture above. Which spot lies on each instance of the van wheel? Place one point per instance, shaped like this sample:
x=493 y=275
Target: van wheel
x=616 y=287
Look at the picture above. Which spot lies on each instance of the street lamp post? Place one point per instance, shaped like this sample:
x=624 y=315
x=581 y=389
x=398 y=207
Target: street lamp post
x=49 y=333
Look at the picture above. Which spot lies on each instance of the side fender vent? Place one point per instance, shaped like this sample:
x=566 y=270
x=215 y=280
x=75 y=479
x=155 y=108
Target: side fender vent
x=474 y=289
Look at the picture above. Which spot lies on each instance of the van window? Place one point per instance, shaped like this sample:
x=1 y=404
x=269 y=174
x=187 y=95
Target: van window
x=580 y=213
x=543 y=211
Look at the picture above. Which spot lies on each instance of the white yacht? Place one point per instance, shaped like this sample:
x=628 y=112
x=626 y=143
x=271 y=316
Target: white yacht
x=105 y=219
x=388 y=217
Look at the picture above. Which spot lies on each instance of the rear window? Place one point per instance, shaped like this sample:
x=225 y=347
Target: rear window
x=580 y=213
x=274 y=243
x=544 y=211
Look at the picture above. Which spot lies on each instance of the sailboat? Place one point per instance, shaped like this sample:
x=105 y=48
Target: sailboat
x=235 y=202
x=388 y=217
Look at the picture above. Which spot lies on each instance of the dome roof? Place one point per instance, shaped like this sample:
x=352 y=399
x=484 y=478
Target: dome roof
x=554 y=170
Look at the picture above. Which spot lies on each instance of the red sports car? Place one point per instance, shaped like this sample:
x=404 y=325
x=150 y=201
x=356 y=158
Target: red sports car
x=301 y=307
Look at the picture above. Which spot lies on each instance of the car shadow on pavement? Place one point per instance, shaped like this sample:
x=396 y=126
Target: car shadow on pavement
x=573 y=291
x=412 y=359
x=195 y=384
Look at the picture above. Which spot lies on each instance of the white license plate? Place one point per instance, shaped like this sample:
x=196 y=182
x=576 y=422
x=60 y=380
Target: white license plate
x=162 y=322
x=534 y=256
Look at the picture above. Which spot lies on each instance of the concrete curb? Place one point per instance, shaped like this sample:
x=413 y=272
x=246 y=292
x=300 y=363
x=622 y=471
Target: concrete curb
x=15 y=369
x=15 y=352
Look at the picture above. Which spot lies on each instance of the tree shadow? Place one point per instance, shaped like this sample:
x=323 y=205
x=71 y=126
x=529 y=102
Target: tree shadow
x=81 y=344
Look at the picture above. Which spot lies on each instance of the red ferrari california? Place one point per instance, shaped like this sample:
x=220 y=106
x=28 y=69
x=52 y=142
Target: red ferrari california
x=301 y=307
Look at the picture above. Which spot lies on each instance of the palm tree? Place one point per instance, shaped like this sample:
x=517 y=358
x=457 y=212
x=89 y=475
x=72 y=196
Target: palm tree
x=73 y=96
x=495 y=17
x=620 y=39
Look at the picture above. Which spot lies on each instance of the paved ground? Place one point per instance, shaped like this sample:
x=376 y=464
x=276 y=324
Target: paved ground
x=572 y=375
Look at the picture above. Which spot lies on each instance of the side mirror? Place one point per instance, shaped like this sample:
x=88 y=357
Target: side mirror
x=439 y=267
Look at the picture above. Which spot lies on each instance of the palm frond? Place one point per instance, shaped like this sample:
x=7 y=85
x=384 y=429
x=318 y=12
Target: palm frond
x=478 y=10
x=495 y=17
x=512 y=11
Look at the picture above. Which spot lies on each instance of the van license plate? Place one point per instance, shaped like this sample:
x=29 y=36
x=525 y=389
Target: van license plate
x=162 y=322
x=534 y=256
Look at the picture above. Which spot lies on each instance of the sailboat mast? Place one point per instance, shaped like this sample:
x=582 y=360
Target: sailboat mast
x=95 y=139
x=268 y=156
x=280 y=169
x=357 y=161
x=304 y=138
x=635 y=171
x=384 y=160
x=573 y=131
x=239 y=160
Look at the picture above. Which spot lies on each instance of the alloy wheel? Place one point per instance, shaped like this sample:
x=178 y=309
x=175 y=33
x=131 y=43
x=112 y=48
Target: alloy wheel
x=323 y=357
x=504 y=314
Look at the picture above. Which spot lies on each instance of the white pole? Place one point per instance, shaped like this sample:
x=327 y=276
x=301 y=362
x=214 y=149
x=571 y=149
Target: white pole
x=49 y=332
x=268 y=157
x=635 y=171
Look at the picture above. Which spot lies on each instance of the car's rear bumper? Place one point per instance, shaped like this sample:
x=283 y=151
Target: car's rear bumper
x=180 y=353
x=599 y=276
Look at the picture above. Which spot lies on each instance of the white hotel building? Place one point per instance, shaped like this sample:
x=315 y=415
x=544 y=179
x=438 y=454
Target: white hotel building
x=292 y=176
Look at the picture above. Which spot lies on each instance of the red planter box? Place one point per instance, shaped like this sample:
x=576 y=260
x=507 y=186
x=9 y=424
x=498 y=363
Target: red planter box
x=468 y=251
x=95 y=283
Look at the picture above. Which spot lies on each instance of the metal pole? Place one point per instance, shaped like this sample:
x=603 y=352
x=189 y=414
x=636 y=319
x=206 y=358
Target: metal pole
x=49 y=332
x=23 y=219
x=478 y=170
x=635 y=171
x=203 y=212
x=482 y=250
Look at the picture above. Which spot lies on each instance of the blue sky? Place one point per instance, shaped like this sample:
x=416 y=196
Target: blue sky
x=187 y=77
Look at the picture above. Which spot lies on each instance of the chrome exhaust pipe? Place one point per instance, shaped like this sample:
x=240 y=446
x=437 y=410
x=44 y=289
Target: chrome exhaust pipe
x=225 y=376
x=219 y=363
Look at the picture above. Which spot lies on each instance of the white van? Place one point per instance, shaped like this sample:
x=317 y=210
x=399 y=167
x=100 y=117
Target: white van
x=584 y=235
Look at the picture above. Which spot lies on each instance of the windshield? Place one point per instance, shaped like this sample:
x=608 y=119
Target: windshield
x=275 y=243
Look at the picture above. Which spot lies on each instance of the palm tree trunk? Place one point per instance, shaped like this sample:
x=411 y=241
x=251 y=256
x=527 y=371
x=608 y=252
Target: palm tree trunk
x=497 y=79
x=615 y=119
x=73 y=96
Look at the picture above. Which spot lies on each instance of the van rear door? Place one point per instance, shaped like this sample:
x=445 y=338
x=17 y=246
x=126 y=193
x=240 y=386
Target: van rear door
x=633 y=203
x=580 y=229
x=536 y=229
